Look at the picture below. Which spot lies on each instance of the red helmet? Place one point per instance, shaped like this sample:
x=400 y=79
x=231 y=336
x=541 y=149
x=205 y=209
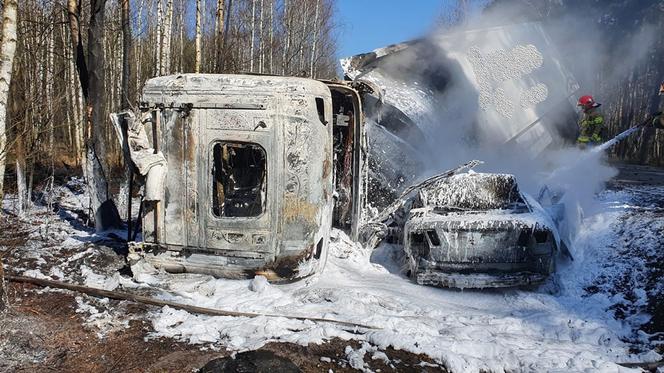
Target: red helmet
x=587 y=102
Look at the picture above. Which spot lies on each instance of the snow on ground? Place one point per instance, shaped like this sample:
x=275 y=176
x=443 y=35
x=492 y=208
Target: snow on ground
x=562 y=326
x=59 y=246
x=571 y=323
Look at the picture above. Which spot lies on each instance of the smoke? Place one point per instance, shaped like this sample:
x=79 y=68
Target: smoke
x=475 y=89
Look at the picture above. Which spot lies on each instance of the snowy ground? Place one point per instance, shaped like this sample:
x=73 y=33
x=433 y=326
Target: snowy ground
x=587 y=318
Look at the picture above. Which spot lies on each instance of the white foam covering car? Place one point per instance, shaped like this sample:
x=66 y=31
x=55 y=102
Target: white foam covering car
x=477 y=230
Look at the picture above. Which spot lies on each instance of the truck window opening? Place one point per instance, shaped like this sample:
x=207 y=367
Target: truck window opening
x=238 y=179
x=320 y=107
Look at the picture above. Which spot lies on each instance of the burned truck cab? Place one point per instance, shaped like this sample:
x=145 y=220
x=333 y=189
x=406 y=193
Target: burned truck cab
x=250 y=176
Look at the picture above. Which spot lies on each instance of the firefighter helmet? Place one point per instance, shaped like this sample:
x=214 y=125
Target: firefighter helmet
x=587 y=102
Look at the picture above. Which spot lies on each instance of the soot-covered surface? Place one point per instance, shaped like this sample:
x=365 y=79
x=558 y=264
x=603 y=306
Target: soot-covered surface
x=473 y=191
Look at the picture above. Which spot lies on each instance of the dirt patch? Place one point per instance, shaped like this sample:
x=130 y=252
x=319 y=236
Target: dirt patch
x=10 y=235
x=59 y=340
x=44 y=332
x=332 y=355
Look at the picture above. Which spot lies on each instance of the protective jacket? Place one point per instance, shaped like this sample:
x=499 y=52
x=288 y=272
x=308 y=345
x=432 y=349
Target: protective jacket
x=591 y=127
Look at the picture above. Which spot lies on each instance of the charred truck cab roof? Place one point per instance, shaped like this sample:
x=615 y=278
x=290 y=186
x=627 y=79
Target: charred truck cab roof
x=253 y=163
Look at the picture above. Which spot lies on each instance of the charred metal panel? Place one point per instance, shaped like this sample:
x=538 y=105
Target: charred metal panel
x=240 y=233
x=232 y=143
x=306 y=211
x=173 y=147
x=193 y=198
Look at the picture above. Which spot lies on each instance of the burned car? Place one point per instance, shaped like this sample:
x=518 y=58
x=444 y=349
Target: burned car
x=476 y=230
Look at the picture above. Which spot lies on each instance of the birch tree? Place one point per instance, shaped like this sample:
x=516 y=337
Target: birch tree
x=252 y=40
x=49 y=106
x=160 y=21
x=165 y=44
x=261 y=51
x=287 y=27
x=315 y=40
x=271 y=21
x=199 y=38
x=7 y=52
x=181 y=40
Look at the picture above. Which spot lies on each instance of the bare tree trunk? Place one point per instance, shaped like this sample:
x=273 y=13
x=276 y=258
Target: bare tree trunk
x=240 y=50
x=7 y=52
x=160 y=45
x=303 y=37
x=260 y=40
x=229 y=10
x=40 y=92
x=95 y=106
x=315 y=40
x=205 y=61
x=68 y=108
x=126 y=54
x=181 y=25
x=165 y=45
x=82 y=83
x=138 y=51
x=74 y=94
x=20 y=175
x=68 y=102
x=253 y=36
x=49 y=106
x=197 y=64
x=22 y=139
x=271 y=36
x=79 y=128
x=288 y=37
x=74 y=9
x=219 y=36
x=109 y=74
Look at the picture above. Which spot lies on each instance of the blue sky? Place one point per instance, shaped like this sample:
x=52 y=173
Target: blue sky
x=365 y=25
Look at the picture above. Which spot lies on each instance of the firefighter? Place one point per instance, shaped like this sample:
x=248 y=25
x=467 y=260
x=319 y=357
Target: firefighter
x=591 y=124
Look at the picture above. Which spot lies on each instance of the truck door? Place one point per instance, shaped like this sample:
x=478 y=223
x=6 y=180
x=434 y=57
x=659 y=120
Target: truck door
x=350 y=158
x=240 y=181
